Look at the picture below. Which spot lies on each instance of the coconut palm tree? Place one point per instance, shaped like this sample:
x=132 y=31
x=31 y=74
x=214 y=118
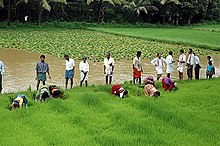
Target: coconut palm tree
x=138 y=6
x=100 y=6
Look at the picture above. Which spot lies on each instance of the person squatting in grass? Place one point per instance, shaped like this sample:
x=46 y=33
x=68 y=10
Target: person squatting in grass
x=108 y=68
x=159 y=62
x=190 y=63
x=149 y=87
x=210 y=71
x=41 y=69
x=42 y=94
x=137 y=68
x=2 y=70
x=170 y=64
x=197 y=66
x=119 y=91
x=168 y=84
x=70 y=69
x=181 y=64
x=84 y=71
x=19 y=101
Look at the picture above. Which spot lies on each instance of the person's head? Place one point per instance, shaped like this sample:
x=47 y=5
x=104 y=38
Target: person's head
x=14 y=105
x=107 y=55
x=138 y=54
x=210 y=63
x=42 y=58
x=171 y=53
x=57 y=93
x=84 y=59
x=190 y=51
x=157 y=93
x=158 y=55
x=181 y=51
x=45 y=95
x=66 y=57
x=208 y=57
x=124 y=94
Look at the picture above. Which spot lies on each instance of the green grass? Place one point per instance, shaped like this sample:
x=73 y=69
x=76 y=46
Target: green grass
x=92 y=116
x=183 y=35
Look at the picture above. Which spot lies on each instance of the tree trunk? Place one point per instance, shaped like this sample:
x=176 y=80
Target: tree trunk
x=189 y=21
x=40 y=15
x=99 y=10
x=9 y=12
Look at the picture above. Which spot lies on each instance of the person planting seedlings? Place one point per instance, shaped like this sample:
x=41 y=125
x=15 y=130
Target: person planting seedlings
x=84 y=71
x=137 y=68
x=149 y=87
x=181 y=62
x=168 y=84
x=108 y=68
x=55 y=91
x=19 y=101
x=70 y=69
x=41 y=69
x=159 y=63
x=42 y=94
x=170 y=64
x=119 y=91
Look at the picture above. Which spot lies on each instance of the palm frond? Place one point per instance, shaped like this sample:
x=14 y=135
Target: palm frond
x=1 y=4
x=45 y=5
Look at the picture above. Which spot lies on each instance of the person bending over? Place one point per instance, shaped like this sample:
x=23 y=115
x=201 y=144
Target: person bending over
x=149 y=88
x=42 y=94
x=19 y=101
x=168 y=84
x=119 y=91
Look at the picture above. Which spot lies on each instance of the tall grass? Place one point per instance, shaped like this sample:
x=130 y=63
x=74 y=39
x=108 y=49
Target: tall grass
x=92 y=116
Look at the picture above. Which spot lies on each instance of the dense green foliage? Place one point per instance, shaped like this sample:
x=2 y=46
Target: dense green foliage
x=198 y=36
x=166 y=11
x=92 y=116
x=79 y=43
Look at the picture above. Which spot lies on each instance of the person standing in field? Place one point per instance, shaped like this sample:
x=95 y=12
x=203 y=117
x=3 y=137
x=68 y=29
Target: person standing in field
x=84 y=71
x=190 y=63
x=70 y=69
x=41 y=69
x=209 y=58
x=197 y=67
x=170 y=64
x=2 y=70
x=159 y=62
x=108 y=68
x=181 y=64
x=137 y=68
x=210 y=71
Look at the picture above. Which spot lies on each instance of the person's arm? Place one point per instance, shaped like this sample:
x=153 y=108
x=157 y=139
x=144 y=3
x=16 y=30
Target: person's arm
x=3 y=68
x=153 y=62
x=73 y=63
x=48 y=72
x=36 y=72
x=113 y=63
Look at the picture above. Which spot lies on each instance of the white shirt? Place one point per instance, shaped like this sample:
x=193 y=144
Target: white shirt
x=182 y=58
x=191 y=59
x=137 y=63
x=197 y=61
x=2 y=67
x=70 y=64
x=158 y=62
x=84 y=66
x=212 y=60
x=108 y=63
x=169 y=61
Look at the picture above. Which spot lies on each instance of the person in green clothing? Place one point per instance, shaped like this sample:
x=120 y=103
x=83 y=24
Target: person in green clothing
x=41 y=69
x=42 y=93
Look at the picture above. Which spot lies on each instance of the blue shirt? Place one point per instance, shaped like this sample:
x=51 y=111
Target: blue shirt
x=209 y=67
x=42 y=67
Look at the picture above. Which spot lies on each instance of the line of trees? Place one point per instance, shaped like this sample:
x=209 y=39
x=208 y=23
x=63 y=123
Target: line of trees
x=177 y=12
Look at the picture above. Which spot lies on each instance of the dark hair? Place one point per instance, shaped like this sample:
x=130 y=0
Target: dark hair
x=158 y=54
x=84 y=58
x=182 y=51
x=45 y=95
x=138 y=52
x=125 y=92
x=190 y=50
x=208 y=57
x=108 y=53
x=170 y=53
x=210 y=62
x=43 y=56
x=66 y=55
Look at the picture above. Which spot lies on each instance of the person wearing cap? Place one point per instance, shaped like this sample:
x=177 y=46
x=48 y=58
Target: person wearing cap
x=19 y=102
x=149 y=88
x=159 y=63
x=84 y=71
x=108 y=68
x=119 y=91
x=42 y=94
x=137 y=68
x=2 y=70
x=168 y=84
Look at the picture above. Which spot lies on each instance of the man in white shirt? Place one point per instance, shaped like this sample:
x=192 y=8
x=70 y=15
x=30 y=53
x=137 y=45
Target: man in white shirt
x=159 y=62
x=181 y=64
x=70 y=69
x=108 y=68
x=2 y=70
x=190 y=63
x=137 y=68
x=84 y=70
x=170 y=64
x=197 y=67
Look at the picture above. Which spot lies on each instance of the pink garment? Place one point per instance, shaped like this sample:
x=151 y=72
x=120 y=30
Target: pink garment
x=149 y=90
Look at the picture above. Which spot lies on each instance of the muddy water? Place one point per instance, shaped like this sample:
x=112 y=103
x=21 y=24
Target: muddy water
x=20 y=70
